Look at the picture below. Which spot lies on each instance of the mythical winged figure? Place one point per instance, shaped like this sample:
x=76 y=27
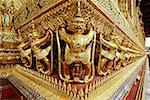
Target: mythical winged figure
x=76 y=53
x=42 y=51
x=107 y=56
x=38 y=52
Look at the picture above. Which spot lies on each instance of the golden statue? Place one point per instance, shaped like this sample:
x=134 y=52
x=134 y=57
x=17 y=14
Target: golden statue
x=11 y=11
x=115 y=38
x=125 y=50
x=131 y=56
x=107 y=55
x=77 y=56
x=38 y=52
x=42 y=51
x=110 y=54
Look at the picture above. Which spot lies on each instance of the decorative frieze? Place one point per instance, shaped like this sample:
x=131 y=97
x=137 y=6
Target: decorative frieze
x=62 y=15
x=89 y=37
x=22 y=79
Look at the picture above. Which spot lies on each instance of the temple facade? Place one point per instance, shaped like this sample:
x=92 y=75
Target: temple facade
x=73 y=49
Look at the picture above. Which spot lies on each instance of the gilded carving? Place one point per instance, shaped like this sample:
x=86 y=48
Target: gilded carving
x=38 y=51
x=112 y=45
x=43 y=50
x=108 y=51
x=75 y=41
x=76 y=57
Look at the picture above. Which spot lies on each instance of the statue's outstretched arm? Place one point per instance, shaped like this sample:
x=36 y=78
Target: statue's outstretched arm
x=66 y=37
x=89 y=36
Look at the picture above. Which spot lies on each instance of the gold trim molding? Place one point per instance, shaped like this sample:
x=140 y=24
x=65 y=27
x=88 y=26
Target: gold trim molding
x=49 y=87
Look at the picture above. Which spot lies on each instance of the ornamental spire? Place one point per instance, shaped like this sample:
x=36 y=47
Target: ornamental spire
x=34 y=31
x=75 y=24
x=78 y=9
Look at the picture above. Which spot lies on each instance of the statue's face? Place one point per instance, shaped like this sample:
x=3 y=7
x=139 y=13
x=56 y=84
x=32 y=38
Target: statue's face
x=78 y=27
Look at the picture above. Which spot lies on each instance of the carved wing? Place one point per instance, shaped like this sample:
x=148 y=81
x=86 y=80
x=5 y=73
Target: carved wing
x=42 y=40
x=66 y=37
x=108 y=44
x=89 y=36
x=107 y=54
x=27 y=52
x=40 y=54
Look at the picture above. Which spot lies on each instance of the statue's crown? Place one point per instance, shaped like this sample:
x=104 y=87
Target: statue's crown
x=78 y=17
x=34 y=31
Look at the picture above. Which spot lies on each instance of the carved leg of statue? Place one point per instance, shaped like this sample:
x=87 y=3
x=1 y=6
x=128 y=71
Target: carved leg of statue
x=124 y=62
x=48 y=65
x=102 y=69
x=110 y=64
x=131 y=60
x=117 y=63
x=121 y=61
x=128 y=61
x=66 y=71
x=39 y=66
x=26 y=61
x=43 y=66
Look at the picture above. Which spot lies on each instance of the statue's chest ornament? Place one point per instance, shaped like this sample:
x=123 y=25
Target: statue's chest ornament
x=78 y=43
x=78 y=40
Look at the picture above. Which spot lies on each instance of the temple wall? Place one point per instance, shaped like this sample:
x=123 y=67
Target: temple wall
x=117 y=49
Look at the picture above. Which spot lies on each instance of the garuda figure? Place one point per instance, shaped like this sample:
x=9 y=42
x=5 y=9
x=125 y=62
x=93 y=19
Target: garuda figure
x=122 y=57
x=41 y=46
x=126 y=56
x=108 y=54
x=130 y=56
x=38 y=52
x=76 y=47
x=117 y=39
